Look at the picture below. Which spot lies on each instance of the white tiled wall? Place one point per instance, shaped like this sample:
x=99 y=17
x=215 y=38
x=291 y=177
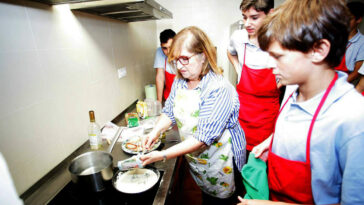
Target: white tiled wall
x=56 y=65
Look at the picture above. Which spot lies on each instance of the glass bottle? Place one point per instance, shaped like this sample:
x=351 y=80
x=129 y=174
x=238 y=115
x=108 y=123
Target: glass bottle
x=94 y=132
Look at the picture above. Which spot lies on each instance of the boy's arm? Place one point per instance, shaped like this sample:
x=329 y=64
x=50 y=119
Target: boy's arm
x=233 y=60
x=159 y=81
x=354 y=75
x=360 y=86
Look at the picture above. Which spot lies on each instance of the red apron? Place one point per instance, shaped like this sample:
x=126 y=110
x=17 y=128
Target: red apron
x=169 y=78
x=342 y=65
x=288 y=180
x=259 y=103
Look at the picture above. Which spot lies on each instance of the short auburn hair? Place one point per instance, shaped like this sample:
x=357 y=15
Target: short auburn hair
x=195 y=41
x=301 y=24
x=259 y=5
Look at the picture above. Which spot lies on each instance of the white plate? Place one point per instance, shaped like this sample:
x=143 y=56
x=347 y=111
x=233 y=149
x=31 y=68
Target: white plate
x=139 y=149
x=135 y=180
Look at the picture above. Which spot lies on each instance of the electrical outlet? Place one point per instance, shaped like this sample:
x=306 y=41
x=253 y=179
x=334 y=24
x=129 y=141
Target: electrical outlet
x=121 y=72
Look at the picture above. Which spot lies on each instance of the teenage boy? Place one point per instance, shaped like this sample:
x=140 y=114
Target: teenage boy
x=315 y=155
x=354 y=55
x=165 y=71
x=257 y=87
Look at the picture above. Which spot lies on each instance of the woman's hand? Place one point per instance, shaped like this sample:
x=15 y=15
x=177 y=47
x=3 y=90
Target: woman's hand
x=187 y=146
x=163 y=123
x=261 y=150
x=151 y=157
x=149 y=140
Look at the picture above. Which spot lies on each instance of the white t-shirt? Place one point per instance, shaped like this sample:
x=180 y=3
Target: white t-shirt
x=160 y=60
x=256 y=58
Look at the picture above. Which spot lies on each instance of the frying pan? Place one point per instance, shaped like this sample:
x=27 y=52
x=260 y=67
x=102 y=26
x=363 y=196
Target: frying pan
x=136 y=186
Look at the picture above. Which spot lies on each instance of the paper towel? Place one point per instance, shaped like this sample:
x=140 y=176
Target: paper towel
x=150 y=92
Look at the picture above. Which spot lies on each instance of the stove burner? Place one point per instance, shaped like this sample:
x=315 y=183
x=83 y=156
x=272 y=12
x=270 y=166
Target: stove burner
x=74 y=194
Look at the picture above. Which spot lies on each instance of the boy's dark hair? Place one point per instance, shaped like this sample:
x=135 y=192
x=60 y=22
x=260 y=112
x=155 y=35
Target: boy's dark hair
x=259 y=5
x=301 y=24
x=165 y=35
x=356 y=8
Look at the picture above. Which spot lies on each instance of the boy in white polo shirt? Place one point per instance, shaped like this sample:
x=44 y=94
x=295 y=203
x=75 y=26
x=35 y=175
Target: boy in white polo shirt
x=257 y=87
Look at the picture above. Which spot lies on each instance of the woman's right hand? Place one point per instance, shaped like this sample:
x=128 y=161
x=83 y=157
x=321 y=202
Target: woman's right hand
x=261 y=150
x=163 y=122
x=150 y=139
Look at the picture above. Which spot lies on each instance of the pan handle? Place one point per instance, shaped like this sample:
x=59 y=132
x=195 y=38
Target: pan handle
x=116 y=137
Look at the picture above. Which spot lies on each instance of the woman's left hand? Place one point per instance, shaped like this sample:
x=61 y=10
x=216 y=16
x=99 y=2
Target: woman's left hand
x=151 y=157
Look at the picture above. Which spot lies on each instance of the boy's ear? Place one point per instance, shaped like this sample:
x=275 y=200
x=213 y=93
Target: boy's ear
x=320 y=50
x=358 y=21
x=270 y=11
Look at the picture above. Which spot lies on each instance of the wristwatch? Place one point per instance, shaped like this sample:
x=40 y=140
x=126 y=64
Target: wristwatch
x=164 y=156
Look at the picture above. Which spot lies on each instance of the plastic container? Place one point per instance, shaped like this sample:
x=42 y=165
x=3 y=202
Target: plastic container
x=142 y=109
x=154 y=107
x=132 y=119
x=132 y=162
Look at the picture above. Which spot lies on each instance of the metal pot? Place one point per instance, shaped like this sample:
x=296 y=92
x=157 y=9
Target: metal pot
x=93 y=169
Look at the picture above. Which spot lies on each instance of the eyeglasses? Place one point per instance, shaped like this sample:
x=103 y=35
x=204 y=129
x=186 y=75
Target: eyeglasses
x=184 y=60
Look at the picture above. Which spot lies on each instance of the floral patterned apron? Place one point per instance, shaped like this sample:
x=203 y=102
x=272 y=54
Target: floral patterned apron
x=211 y=168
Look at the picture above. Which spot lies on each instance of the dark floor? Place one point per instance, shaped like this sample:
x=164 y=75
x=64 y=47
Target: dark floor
x=184 y=189
x=186 y=192
x=191 y=193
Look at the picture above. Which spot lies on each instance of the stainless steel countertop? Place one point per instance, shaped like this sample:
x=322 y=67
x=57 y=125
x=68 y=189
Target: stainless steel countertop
x=59 y=177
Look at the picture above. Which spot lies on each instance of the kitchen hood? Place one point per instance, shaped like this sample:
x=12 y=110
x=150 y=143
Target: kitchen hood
x=124 y=10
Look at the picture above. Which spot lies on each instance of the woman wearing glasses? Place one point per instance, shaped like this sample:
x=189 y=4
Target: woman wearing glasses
x=205 y=108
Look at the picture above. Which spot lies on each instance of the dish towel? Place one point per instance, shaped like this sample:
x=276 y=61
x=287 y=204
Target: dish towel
x=255 y=179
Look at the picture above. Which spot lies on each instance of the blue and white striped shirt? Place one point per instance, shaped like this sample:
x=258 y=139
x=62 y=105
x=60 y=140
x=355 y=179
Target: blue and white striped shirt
x=219 y=110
